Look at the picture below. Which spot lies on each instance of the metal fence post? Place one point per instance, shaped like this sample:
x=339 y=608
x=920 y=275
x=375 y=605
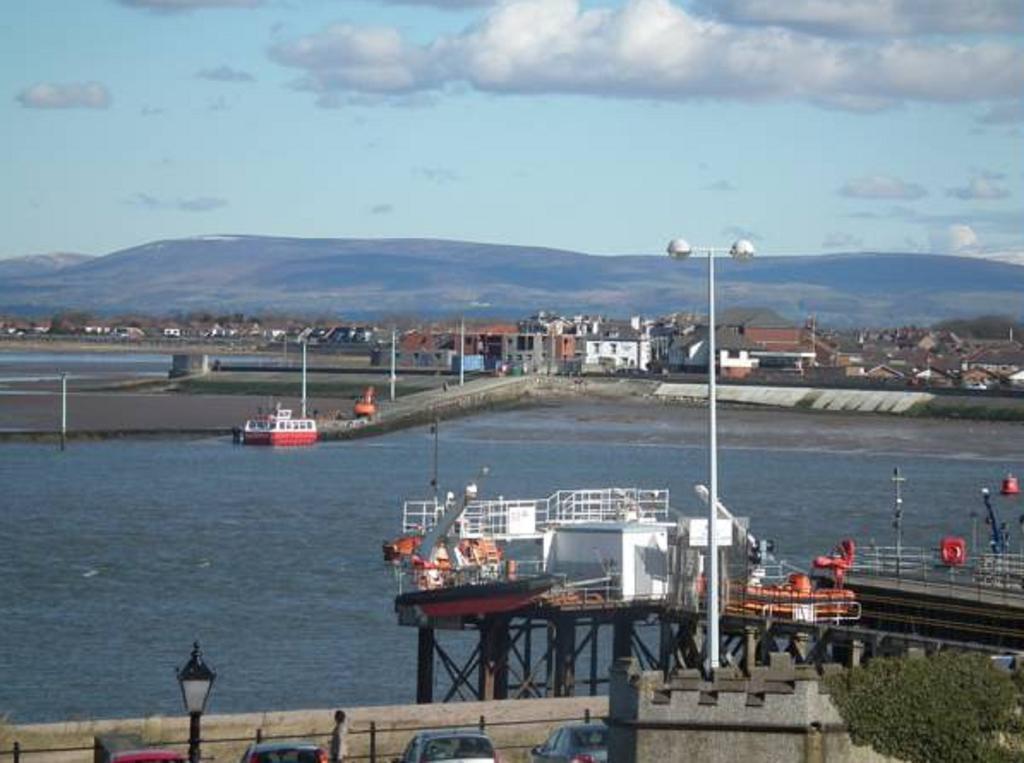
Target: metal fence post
x=483 y=724
x=16 y=752
x=586 y=715
x=259 y=735
x=373 y=742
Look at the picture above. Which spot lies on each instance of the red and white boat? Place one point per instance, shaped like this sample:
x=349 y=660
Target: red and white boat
x=279 y=428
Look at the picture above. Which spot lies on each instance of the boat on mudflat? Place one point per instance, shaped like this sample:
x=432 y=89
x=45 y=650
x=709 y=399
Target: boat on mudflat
x=279 y=428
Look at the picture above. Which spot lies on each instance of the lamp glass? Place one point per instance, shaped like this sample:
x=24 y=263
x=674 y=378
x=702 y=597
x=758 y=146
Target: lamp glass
x=196 y=679
x=195 y=693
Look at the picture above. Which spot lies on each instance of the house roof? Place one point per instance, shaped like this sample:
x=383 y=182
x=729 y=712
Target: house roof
x=754 y=316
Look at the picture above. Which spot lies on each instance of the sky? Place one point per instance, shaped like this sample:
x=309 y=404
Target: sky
x=602 y=126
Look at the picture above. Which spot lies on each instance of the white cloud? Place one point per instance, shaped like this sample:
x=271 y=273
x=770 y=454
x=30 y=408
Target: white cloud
x=875 y=17
x=737 y=232
x=980 y=188
x=382 y=209
x=71 y=95
x=881 y=187
x=720 y=185
x=225 y=74
x=443 y=4
x=1007 y=112
x=195 y=204
x=839 y=240
x=190 y=5
x=651 y=49
x=954 y=239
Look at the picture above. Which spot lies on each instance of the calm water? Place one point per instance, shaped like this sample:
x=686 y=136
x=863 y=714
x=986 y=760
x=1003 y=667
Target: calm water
x=116 y=555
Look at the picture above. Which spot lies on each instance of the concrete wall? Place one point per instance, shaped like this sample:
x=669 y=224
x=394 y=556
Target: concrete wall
x=532 y=721
x=868 y=401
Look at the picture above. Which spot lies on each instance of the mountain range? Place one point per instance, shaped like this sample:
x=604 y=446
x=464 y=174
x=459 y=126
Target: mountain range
x=371 y=277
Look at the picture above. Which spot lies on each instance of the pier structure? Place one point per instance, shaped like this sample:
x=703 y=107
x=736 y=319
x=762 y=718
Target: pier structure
x=561 y=643
x=565 y=651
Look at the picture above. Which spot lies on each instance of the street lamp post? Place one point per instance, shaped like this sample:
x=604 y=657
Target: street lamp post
x=462 y=351
x=679 y=249
x=196 y=680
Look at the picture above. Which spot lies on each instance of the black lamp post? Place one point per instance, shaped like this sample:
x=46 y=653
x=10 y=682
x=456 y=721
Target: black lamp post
x=196 y=680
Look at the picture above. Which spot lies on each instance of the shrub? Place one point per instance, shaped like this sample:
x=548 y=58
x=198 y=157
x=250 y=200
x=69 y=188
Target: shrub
x=950 y=707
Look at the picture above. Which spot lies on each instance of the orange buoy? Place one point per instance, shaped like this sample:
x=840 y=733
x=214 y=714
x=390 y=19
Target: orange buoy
x=366 y=406
x=1010 y=485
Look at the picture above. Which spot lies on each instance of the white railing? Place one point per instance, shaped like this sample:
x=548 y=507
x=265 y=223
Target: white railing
x=913 y=563
x=523 y=518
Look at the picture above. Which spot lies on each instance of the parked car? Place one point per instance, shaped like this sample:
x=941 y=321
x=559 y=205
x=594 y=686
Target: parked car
x=284 y=752
x=574 y=743
x=450 y=747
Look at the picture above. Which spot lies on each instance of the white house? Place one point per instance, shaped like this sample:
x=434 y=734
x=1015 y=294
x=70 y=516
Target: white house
x=617 y=348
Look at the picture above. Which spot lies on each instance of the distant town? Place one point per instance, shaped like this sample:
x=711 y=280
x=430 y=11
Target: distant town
x=751 y=344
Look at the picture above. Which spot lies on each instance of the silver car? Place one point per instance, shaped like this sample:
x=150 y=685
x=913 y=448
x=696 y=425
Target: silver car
x=574 y=743
x=450 y=747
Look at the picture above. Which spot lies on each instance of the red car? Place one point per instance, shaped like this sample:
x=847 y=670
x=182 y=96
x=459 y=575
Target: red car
x=148 y=756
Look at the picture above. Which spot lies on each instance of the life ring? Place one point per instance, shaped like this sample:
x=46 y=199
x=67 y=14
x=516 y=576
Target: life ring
x=953 y=551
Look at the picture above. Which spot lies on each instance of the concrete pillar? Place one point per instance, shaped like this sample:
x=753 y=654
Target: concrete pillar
x=856 y=653
x=749 y=649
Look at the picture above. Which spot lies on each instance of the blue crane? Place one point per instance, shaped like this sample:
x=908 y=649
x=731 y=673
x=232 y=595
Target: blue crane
x=999 y=540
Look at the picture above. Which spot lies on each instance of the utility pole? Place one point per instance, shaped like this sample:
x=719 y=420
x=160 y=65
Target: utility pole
x=303 y=380
x=462 y=351
x=897 y=516
x=63 y=409
x=393 y=339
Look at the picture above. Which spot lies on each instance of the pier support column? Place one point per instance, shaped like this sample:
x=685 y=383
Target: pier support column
x=666 y=647
x=493 y=676
x=749 y=650
x=856 y=653
x=565 y=656
x=622 y=637
x=425 y=667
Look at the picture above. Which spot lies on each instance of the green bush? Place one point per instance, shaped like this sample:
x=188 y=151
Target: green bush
x=950 y=707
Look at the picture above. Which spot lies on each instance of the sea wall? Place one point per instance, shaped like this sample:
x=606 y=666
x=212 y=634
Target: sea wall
x=864 y=401
x=514 y=725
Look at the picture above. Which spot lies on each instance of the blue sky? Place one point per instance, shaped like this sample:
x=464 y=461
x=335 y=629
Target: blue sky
x=606 y=127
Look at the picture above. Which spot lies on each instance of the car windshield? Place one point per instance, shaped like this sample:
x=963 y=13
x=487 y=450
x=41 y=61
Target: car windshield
x=285 y=756
x=456 y=748
x=590 y=739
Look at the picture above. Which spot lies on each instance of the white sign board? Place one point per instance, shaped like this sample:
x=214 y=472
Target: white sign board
x=699 y=532
x=522 y=520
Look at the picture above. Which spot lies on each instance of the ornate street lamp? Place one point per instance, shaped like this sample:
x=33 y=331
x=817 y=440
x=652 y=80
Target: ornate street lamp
x=679 y=249
x=196 y=680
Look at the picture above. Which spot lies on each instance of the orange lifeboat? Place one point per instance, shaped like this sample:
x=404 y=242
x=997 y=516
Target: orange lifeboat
x=796 y=600
x=401 y=547
x=366 y=405
x=1011 y=486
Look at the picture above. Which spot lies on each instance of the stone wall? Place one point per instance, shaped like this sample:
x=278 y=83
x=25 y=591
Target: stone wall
x=778 y=714
x=527 y=723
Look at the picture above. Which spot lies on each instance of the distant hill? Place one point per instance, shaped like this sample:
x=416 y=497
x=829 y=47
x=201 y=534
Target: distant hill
x=39 y=264
x=367 y=277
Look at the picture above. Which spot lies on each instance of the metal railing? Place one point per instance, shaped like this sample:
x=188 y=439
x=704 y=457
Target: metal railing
x=1002 y=571
x=374 y=732
x=523 y=518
